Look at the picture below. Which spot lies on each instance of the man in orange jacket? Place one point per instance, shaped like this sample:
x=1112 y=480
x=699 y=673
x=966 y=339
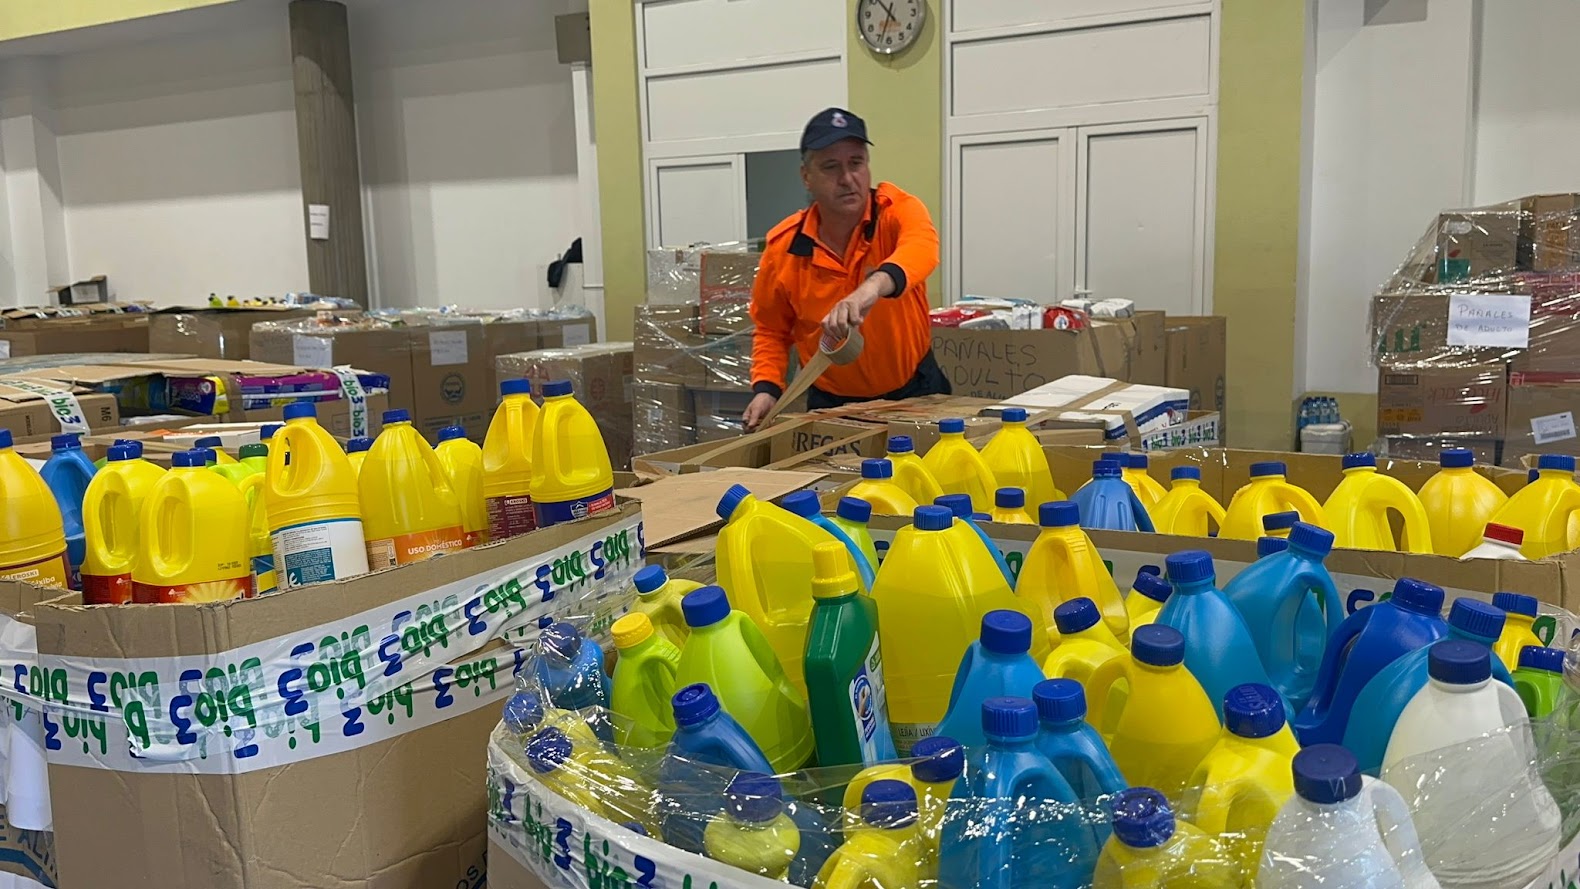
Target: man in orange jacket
x=858 y=257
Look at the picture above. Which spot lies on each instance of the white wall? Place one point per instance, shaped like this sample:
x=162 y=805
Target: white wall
x=1528 y=120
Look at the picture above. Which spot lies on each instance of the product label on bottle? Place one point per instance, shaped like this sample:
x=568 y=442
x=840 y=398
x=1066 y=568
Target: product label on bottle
x=570 y=510
x=53 y=571
x=222 y=590
x=106 y=589
x=510 y=516
x=264 y=578
x=474 y=538
x=906 y=734
x=316 y=552
x=403 y=549
x=869 y=703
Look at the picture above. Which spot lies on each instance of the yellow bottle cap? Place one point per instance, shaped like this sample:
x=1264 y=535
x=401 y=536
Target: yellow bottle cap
x=631 y=630
x=831 y=574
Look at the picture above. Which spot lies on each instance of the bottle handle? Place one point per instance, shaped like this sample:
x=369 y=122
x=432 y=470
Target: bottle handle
x=841 y=872
x=100 y=522
x=165 y=511
x=1392 y=817
x=1098 y=686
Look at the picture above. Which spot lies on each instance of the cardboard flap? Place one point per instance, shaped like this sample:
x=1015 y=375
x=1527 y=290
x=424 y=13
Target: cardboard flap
x=677 y=507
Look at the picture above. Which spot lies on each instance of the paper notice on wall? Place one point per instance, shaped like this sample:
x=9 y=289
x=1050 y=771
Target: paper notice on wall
x=1553 y=427
x=312 y=351
x=447 y=347
x=318 y=222
x=5 y=348
x=1496 y=320
x=577 y=335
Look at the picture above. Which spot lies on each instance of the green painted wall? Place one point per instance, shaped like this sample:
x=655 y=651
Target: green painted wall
x=617 y=129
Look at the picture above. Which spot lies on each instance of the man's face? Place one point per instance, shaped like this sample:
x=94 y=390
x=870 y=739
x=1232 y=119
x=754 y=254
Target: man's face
x=838 y=177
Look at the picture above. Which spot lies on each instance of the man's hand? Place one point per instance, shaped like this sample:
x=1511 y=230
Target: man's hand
x=758 y=410
x=849 y=313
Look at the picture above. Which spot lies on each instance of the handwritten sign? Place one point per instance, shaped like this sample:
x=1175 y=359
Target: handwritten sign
x=1498 y=320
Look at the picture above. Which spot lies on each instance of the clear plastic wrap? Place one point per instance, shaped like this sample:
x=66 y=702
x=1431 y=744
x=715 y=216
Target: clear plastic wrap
x=689 y=386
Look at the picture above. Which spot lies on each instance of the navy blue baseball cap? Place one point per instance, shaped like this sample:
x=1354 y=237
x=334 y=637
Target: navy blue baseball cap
x=832 y=125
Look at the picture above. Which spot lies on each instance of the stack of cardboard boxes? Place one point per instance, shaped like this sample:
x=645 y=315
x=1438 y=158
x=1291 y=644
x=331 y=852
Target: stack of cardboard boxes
x=54 y=330
x=600 y=375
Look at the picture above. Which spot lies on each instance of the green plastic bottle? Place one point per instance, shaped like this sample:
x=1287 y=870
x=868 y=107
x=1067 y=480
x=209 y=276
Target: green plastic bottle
x=844 y=668
x=644 y=683
x=1540 y=679
x=851 y=516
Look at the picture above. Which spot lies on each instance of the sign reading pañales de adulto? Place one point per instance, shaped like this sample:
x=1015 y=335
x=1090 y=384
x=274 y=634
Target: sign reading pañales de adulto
x=1495 y=320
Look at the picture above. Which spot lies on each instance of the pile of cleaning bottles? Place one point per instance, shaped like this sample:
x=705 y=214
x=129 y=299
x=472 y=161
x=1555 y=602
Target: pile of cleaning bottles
x=821 y=719
x=295 y=508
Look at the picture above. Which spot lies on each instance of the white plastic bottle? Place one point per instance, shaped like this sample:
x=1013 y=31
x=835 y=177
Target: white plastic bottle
x=1341 y=829
x=1498 y=542
x=1464 y=759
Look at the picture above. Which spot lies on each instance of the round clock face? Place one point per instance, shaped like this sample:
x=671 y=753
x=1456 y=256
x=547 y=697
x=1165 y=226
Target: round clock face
x=888 y=26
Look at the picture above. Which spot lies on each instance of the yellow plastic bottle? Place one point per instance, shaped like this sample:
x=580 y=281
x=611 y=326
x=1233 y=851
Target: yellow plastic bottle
x=462 y=460
x=260 y=545
x=937 y=763
x=1358 y=510
x=111 y=511
x=1459 y=502
x=591 y=777
x=753 y=832
x=1241 y=785
x=1543 y=508
x=935 y=585
x=956 y=465
x=878 y=488
x=1151 y=849
x=1145 y=599
x=644 y=682
x=1009 y=508
x=1017 y=460
x=1267 y=492
x=192 y=544
x=357 y=451
x=1186 y=509
x=1084 y=642
x=1138 y=476
x=571 y=475
x=1167 y=723
x=1061 y=565
x=32 y=533
x=884 y=849
x=310 y=495
x=409 y=511
x=507 y=462
x=910 y=473
x=658 y=596
x=764 y=563
x=1519 y=613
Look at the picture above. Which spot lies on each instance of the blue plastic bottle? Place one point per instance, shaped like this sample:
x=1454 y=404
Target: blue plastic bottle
x=68 y=472
x=1380 y=702
x=997 y=665
x=1292 y=608
x=1108 y=502
x=806 y=505
x=707 y=749
x=1267 y=546
x=1005 y=828
x=1219 y=649
x=1073 y=746
x=960 y=505
x=570 y=669
x=1366 y=643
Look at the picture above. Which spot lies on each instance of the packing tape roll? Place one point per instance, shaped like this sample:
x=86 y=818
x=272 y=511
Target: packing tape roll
x=845 y=352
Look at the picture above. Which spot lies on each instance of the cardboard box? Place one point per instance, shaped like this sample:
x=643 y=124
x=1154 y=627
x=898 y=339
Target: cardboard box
x=1555 y=323
x=452 y=379
x=34 y=409
x=1466 y=402
x=212 y=333
x=1541 y=416
x=92 y=291
x=56 y=336
x=662 y=418
x=668 y=345
x=725 y=293
x=601 y=375
x=719 y=412
x=1478 y=243
x=562 y=333
x=1002 y=363
x=266 y=779
x=1149 y=351
x=1555 y=232
x=802 y=443
x=1121 y=409
x=1198 y=351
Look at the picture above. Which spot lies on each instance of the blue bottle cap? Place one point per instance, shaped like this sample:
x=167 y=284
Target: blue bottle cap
x=548 y=750
x=1515 y=603
x=1006 y=632
x=1456 y=458
x=634 y=827
x=1312 y=540
x=1138 y=461
x=1142 y=818
x=1190 y=566
x=209 y=441
x=359 y=444
x=545 y=621
x=694 y=705
x=1476 y=618
x=208 y=454
x=1355 y=461
x=731 y=499
x=64 y=442
x=1107 y=469
x=5 y=438
x=1013 y=415
x=802 y=503
x=877 y=468
x=1418 y=596
x=1009 y=498
x=1060 y=514
x=450 y=433
x=959 y=504
x=1280 y=521
x=889 y=804
x=1157 y=645
x=187 y=459
x=1059 y=700
x=1152 y=586
x=1179 y=472
x=650 y=578
x=1326 y=774
x=1268 y=467
x=515 y=387
x=1076 y=615
x=901 y=444
x=563 y=639
x=1113 y=457
x=267 y=431
x=120 y=453
x=854 y=509
x=705 y=606
x=299 y=409
x=1532 y=475
x=523 y=712
x=1253 y=710
x=951 y=426
x=1459 y=662
x=1537 y=657
x=398 y=415
x=1267 y=546
x=556 y=388
x=754 y=798
x=1011 y=718
x=932 y=518
x=1562 y=462
x=938 y=759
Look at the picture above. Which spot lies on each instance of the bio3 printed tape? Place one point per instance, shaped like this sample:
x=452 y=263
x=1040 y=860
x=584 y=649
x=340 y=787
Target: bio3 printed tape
x=62 y=403
x=356 y=399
